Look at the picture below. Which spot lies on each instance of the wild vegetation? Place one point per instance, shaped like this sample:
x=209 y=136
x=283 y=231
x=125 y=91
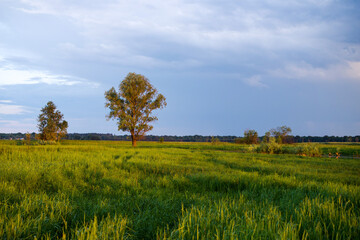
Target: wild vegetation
x=109 y=190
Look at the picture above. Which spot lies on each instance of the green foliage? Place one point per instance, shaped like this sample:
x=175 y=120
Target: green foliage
x=161 y=140
x=109 y=190
x=214 y=140
x=273 y=147
x=308 y=149
x=51 y=125
x=266 y=137
x=133 y=105
x=27 y=138
x=280 y=133
x=270 y=147
x=250 y=137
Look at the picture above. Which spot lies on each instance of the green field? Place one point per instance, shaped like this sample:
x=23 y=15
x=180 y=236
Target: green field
x=109 y=190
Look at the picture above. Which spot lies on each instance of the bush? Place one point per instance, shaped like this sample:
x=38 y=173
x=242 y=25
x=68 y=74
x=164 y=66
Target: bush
x=252 y=148
x=271 y=147
x=308 y=149
x=214 y=140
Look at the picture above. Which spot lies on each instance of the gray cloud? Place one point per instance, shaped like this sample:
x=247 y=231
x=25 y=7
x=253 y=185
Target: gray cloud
x=142 y=33
x=197 y=24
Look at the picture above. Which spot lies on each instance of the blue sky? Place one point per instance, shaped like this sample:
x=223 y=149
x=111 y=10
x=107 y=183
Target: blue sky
x=224 y=66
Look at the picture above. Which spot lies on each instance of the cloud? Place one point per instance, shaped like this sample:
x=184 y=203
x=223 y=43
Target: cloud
x=255 y=81
x=218 y=46
x=5 y=101
x=124 y=56
x=7 y=109
x=14 y=126
x=348 y=71
x=142 y=28
x=198 y=34
x=11 y=74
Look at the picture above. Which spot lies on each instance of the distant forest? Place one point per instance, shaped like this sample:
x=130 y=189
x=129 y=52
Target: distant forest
x=192 y=138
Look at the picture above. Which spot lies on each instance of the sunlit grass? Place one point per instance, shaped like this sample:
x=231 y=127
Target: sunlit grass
x=109 y=190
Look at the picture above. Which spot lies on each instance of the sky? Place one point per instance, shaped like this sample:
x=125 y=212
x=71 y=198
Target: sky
x=224 y=66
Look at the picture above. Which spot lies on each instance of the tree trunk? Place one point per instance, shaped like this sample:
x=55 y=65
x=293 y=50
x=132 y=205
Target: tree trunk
x=133 y=140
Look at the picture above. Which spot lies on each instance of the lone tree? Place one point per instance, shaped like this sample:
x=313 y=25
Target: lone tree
x=133 y=104
x=51 y=125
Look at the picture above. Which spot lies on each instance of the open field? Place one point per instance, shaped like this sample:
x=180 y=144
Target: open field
x=107 y=190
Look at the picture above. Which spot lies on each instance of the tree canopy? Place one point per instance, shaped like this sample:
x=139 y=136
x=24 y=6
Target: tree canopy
x=133 y=104
x=51 y=125
x=280 y=133
x=250 y=137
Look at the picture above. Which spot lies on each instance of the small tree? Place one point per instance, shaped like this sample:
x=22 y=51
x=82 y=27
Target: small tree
x=250 y=137
x=266 y=138
x=51 y=125
x=132 y=106
x=280 y=133
x=27 y=138
x=214 y=140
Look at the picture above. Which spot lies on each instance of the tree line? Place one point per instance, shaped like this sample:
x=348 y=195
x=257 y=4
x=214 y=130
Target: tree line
x=188 y=138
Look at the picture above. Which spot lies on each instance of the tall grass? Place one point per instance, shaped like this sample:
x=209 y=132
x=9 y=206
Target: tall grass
x=109 y=190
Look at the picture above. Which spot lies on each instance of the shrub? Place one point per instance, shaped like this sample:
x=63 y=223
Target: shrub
x=271 y=147
x=308 y=149
x=214 y=140
x=252 y=148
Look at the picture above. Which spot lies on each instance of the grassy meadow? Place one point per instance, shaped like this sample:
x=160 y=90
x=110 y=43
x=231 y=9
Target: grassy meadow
x=109 y=190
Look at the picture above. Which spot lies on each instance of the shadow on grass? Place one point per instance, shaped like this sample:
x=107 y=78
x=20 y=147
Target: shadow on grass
x=147 y=212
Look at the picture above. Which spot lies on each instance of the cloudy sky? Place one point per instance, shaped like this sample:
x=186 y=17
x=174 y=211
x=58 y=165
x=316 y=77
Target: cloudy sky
x=224 y=66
